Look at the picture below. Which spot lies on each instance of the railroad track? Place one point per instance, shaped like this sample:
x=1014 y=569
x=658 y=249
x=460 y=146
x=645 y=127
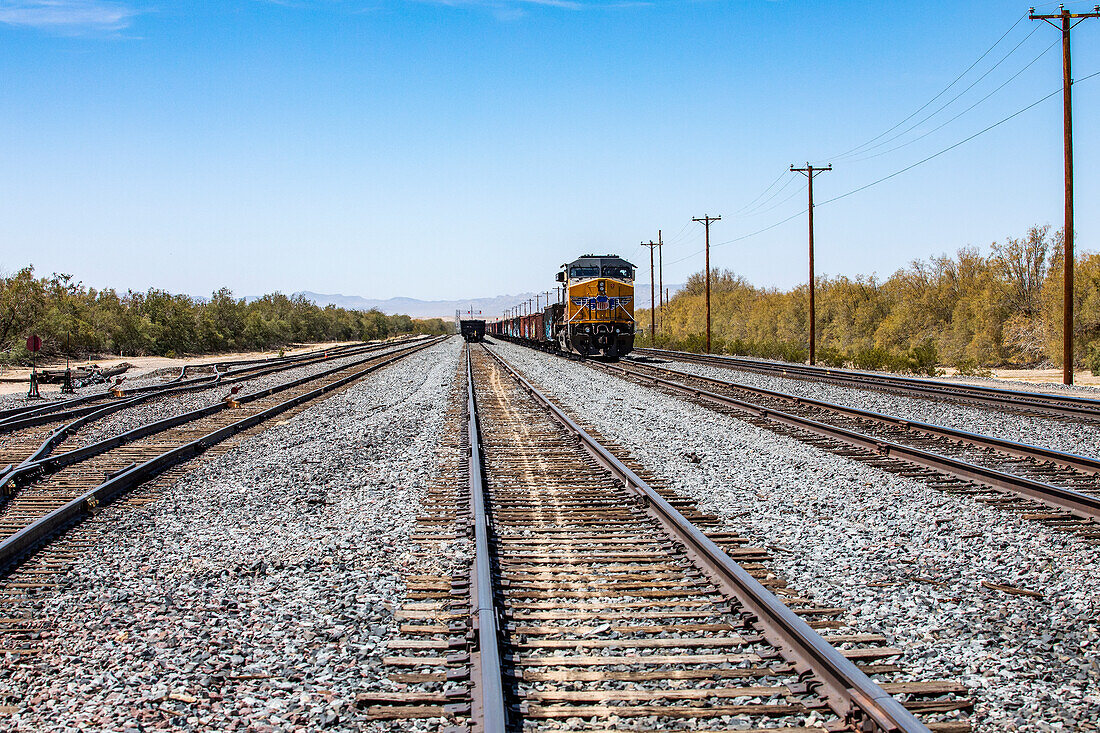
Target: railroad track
x=1056 y=488
x=599 y=598
x=30 y=436
x=1015 y=401
x=49 y=496
x=15 y=417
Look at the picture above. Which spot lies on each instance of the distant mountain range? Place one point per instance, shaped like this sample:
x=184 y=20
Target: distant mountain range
x=489 y=307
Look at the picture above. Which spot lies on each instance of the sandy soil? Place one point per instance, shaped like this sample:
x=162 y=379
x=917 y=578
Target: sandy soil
x=14 y=381
x=1037 y=377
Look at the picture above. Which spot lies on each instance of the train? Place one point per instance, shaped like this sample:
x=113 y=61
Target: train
x=472 y=329
x=594 y=315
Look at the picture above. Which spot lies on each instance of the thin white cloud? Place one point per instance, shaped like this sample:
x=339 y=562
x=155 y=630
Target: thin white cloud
x=67 y=16
x=515 y=7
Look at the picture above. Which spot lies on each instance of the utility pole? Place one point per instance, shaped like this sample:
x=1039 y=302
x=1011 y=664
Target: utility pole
x=1067 y=24
x=706 y=221
x=809 y=171
x=652 y=285
x=661 y=276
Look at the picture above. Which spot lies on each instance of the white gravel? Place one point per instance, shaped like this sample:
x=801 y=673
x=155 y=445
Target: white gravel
x=160 y=408
x=838 y=526
x=257 y=591
x=137 y=377
x=1072 y=437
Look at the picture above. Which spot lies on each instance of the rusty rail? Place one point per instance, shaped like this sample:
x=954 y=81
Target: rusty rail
x=15 y=549
x=21 y=417
x=1064 y=405
x=1078 y=503
x=848 y=691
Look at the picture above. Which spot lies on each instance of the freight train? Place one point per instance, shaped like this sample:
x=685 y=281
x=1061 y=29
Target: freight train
x=472 y=329
x=594 y=318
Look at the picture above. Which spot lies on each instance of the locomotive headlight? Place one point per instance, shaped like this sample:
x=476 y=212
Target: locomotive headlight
x=602 y=286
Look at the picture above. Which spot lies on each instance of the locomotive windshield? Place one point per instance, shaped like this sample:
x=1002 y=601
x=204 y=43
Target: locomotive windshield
x=579 y=271
x=619 y=272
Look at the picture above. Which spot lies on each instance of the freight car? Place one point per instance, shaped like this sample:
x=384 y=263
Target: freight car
x=472 y=329
x=594 y=318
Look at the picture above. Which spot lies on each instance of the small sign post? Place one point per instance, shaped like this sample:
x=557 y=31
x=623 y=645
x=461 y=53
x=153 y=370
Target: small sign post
x=34 y=345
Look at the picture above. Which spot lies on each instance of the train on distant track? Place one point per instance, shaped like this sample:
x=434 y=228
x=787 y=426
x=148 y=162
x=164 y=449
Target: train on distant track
x=472 y=329
x=594 y=315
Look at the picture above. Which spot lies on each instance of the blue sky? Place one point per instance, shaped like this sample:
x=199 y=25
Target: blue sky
x=463 y=148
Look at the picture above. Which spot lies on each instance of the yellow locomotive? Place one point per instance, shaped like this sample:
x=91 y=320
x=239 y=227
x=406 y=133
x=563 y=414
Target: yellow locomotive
x=598 y=314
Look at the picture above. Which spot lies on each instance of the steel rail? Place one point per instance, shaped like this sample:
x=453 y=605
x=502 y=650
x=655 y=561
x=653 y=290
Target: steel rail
x=488 y=710
x=1024 y=450
x=177 y=387
x=848 y=691
x=17 y=547
x=1077 y=503
x=32 y=469
x=1065 y=405
x=70 y=405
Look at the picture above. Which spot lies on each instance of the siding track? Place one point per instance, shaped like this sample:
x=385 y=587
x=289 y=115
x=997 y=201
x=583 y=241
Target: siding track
x=1022 y=402
x=49 y=496
x=1056 y=488
x=33 y=432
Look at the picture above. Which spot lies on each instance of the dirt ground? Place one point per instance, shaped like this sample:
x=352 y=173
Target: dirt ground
x=1035 y=376
x=14 y=381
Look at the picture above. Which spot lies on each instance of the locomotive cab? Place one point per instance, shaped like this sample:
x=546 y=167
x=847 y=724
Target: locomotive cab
x=599 y=306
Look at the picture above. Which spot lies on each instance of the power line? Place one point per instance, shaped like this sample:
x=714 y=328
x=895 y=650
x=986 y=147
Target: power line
x=676 y=236
x=947 y=104
x=947 y=149
x=774 y=206
x=960 y=114
x=744 y=236
x=938 y=95
x=749 y=204
x=892 y=175
x=888 y=177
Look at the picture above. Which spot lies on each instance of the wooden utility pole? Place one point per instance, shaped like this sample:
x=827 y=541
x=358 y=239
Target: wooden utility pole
x=661 y=276
x=706 y=221
x=1066 y=25
x=809 y=171
x=652 y=302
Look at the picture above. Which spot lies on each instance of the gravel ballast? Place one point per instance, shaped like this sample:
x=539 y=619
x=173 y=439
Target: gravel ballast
x=257 y=591
x=1069 y=436
x=906 y=560
x=171 y=405
x=134 y=379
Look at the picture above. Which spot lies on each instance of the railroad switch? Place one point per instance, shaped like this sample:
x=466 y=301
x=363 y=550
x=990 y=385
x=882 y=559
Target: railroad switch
x=229 y=400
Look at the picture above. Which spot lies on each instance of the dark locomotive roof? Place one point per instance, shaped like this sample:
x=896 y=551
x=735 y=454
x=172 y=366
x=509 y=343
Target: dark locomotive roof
x=589 y=260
